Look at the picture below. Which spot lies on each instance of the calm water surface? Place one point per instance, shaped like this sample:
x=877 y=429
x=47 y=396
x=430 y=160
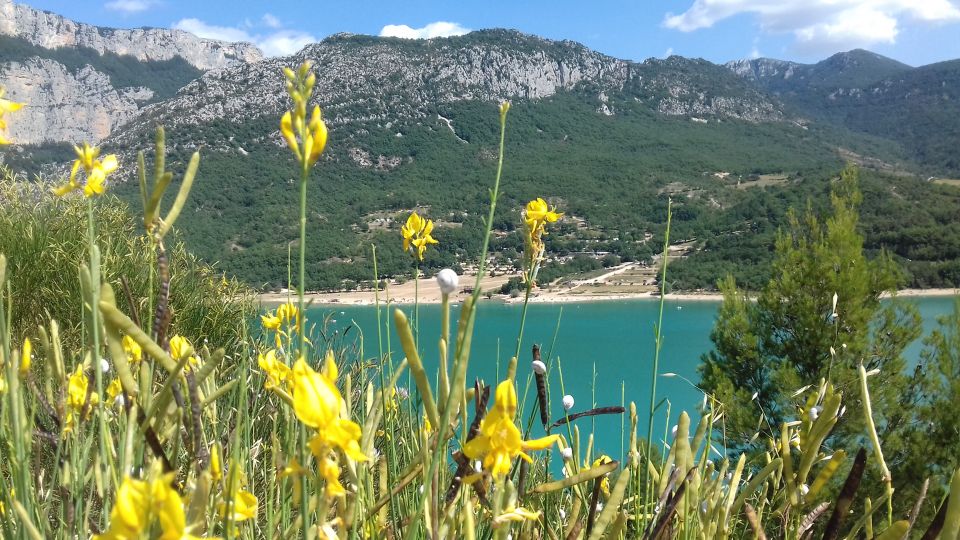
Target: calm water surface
x=604 y=349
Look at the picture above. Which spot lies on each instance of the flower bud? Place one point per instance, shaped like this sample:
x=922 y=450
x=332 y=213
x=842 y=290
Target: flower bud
x=539 y=367
x=566 y=453
x=567 y=402
x=448 y=280
x=814 y=413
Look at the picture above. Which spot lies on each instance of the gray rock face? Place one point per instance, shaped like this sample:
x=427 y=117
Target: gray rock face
x=52 y=31
x=64 y=105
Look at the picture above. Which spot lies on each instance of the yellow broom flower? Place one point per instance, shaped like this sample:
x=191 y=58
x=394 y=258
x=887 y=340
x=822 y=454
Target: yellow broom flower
x=416 y=233
x=133 y=350
x=244 y=506
x=96 y=171
x=306 y=140
x=130 y=515
x=77 y=386
x=499 y=441
x=318 y=404
x=276 y=371
x=181 y=348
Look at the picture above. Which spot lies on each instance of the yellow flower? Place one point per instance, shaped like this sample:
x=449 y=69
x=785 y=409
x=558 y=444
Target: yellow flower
x=170 y=514
x=77 y=387
x=306 y=140
x=181 y=348
x=244 y=506
x=142 y=503
x=536 y=215
x=6 y=106
x=538 y=211
x=416 y=233
x=605 y=483
x=216 y=469
x=499 y=441
x=318 y=404
x=282 y=321
x=26 y=357
x=133 y=350
x=114 y=390
x=131 y=511
x=276 y=371
x=96 y=171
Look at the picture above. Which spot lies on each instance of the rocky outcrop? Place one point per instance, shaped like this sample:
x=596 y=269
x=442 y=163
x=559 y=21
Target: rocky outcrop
x=51 y=31
x=65 y=106
x=81 y=103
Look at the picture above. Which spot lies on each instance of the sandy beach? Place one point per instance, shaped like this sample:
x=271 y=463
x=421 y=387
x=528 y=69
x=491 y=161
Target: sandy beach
x=604 y=287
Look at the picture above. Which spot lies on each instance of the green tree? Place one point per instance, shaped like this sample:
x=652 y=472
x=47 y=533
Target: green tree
x=796 y=334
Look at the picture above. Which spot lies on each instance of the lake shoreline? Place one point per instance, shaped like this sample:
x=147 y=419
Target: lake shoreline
x=429 y=294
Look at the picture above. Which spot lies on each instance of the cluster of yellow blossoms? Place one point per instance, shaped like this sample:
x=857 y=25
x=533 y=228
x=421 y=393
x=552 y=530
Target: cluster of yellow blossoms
x=306 y=140
x=536 y=215
x=315 y=400
x=96 y=171
x=416 y=235
x=142 y=504
x=6 y=106
x=282 y=322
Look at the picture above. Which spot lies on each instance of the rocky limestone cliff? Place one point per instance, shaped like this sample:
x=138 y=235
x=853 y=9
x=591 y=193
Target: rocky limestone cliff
x=82 y=103
x=65 y=106
x=52 y=31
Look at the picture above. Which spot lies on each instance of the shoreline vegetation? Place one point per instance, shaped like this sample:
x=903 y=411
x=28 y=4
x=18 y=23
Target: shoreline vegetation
x=589 y=290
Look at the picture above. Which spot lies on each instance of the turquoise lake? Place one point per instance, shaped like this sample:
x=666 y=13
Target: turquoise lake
x=605 y=350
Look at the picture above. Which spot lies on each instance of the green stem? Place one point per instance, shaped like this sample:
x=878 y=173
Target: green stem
x=416 y=304
x=459 y=357
x=658 y=342
x=301 y=347
x=95 y=334
x=523 y=321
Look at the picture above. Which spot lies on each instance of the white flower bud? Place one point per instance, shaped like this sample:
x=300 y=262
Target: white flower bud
x=566 y=453
x=448 y=280
x=804 y=489
x=104 y=365
x=539 y=367
x=673 y=432
x=567 y=402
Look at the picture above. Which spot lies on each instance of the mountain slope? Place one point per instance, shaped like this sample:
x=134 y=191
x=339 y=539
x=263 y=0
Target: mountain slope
x=413 y=125
x=917 y=108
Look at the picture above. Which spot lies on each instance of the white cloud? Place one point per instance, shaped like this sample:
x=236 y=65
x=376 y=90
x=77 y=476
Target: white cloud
x=432 y=30
x=668 y=53
x=284 y=42
x=270 y=21
x=130 y=6
x=278 y=41
x=821 y=24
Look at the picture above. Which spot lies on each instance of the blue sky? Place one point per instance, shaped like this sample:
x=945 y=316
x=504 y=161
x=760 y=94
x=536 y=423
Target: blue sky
x=913 y=31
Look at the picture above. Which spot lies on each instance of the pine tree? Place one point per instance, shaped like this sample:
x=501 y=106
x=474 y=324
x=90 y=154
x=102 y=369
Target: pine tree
x=796 y=334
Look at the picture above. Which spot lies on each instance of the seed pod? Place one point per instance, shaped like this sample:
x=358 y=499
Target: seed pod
x=541 y=386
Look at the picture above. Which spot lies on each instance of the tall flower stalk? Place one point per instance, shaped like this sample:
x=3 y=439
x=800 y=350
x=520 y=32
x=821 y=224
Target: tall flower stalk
x=95 y=172
x=307 y=140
